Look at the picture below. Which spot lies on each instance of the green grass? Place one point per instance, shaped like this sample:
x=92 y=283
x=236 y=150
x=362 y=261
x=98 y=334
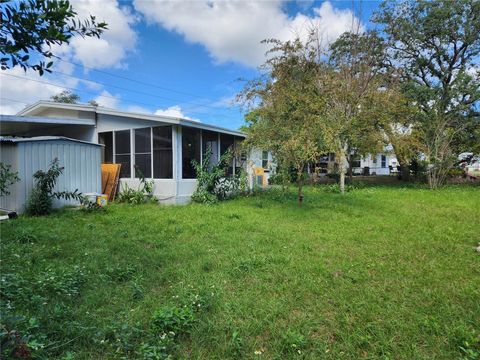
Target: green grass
x=380 y=273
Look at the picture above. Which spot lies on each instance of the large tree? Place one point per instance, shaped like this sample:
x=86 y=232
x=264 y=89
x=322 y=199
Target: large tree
x=285 y=108
x=436 y=45
x=28 y=29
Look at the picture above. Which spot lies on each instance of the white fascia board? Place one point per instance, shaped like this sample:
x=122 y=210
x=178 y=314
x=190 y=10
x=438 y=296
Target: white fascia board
x=46 y=120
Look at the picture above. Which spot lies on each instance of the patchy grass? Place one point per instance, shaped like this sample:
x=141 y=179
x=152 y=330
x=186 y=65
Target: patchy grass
x=380 y=273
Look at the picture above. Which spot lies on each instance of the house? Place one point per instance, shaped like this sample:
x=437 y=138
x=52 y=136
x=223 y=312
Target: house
x=158 y=147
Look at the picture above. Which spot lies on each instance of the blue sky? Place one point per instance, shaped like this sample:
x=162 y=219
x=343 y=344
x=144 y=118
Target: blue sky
x=175 y=58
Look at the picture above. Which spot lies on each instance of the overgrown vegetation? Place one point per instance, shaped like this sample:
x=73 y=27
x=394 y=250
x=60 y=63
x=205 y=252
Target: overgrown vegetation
x=213 y=182
x=248 y=278
x=43 y=193
x=7 y=178
x=141 y=195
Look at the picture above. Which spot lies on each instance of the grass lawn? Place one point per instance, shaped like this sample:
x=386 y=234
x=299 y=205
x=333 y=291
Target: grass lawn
x=380 y=273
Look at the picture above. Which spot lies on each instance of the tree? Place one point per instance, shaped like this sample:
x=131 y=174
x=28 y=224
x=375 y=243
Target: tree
x=350 y=84
x=33 y=26
x=66 y=97
x=93 y=103
x=7 y=178
x=436 y=44
x=285 y=107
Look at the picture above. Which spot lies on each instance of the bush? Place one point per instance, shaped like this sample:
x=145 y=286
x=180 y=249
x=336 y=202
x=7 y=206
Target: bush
x=7 y=178
x=40 y=201
x=212 y=181
x=142 y=195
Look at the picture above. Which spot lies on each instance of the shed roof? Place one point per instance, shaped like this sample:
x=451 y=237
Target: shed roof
x=15 y=140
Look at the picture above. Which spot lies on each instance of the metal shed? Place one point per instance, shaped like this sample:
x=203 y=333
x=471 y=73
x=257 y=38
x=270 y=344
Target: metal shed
x=81 y=160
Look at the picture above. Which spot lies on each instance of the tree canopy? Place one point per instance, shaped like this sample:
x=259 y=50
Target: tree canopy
x=29 y=28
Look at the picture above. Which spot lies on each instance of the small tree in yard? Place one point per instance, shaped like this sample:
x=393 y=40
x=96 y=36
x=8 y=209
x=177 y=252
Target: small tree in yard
x=350 y=86
x=436 y=44
x=285 y=107
x=41 y=198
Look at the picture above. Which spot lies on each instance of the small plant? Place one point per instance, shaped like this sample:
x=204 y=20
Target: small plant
x=41 y=198
x=7 y=178
x=293 y=343
x=173 y=319
x=143 y=194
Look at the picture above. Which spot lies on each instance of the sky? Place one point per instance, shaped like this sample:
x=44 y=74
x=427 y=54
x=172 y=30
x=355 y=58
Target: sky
x=179 y=58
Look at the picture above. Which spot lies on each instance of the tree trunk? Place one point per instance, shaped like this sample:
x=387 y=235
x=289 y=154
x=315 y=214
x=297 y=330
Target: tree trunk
x=350 y=169
x=404 y=171
x=342 y=170
x=300 y=189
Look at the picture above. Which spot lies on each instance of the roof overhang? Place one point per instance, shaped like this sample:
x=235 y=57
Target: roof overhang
x=36 y=108
x=24 y=125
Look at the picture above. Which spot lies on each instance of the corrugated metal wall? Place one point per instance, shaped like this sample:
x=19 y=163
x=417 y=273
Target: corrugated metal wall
x=81 y=162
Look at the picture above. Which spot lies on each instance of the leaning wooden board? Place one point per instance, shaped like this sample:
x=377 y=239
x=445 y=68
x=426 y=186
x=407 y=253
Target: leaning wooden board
x=110 y=176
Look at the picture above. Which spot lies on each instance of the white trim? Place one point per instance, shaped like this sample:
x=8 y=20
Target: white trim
x=101 y=110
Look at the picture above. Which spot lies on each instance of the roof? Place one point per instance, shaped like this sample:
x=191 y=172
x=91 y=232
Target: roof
x=15 y=140
x=42 y=104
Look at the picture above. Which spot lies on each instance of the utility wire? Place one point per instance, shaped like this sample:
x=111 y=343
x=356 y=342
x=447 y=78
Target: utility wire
x=86 y=91
x=195 y=105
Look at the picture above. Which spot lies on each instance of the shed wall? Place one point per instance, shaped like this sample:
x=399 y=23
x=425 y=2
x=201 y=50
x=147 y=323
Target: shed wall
x=81 y=164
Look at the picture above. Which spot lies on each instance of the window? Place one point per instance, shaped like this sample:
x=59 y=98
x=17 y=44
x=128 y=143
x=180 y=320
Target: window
x=122 y=152
x=190 y=151
x=143 y=153
x=106 y=139
x=226 y=143
x=384 y=161
x=356 y=162
x=265 y=159
x=162 y=152
x=210 y=143
x=374 y=158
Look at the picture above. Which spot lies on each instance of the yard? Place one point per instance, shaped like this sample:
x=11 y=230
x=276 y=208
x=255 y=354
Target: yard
x=380 y=273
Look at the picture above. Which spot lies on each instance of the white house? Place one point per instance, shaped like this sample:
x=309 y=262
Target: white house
x=160 y=147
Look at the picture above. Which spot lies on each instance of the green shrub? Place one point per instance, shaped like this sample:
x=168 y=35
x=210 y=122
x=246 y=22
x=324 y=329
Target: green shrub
x=213 y=184
x=40 y=201
x=142 y=195
x=7 y=178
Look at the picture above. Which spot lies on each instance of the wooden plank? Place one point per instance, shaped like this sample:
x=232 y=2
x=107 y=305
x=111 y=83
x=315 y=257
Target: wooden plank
x=110 y=176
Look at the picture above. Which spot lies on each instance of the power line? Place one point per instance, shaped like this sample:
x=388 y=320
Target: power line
x=130 y=79
x=217 y=108
x=87 y=91
x=18 y=101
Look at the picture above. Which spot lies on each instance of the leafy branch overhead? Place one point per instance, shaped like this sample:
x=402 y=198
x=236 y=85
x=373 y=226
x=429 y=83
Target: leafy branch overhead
x=30 y=28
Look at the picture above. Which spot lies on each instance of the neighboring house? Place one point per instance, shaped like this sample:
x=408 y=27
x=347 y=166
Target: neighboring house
x=379 y=164
x=160 y=147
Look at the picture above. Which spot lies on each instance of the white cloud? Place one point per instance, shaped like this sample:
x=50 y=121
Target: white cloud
x=233 y=30
x=108 y=100
x=113 y=45
x=174 y=111
x=15 y=85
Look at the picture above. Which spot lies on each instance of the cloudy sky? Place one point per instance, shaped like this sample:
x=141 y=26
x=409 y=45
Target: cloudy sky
x=180 y=58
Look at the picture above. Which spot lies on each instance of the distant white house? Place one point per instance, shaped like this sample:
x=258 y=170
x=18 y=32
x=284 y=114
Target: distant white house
x=160 y=147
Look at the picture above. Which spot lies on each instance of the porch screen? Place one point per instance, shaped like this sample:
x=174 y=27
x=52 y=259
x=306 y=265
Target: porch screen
x=210 y=143
x=143 y=153
x=162 y=152
x=122 y=152
x=190 y=151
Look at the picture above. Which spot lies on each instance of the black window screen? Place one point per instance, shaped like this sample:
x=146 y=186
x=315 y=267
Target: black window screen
x=143 y=153
x=106 y=139
x=210 y=143
x=122 y=152
x=190 y=151
x=162 y=152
